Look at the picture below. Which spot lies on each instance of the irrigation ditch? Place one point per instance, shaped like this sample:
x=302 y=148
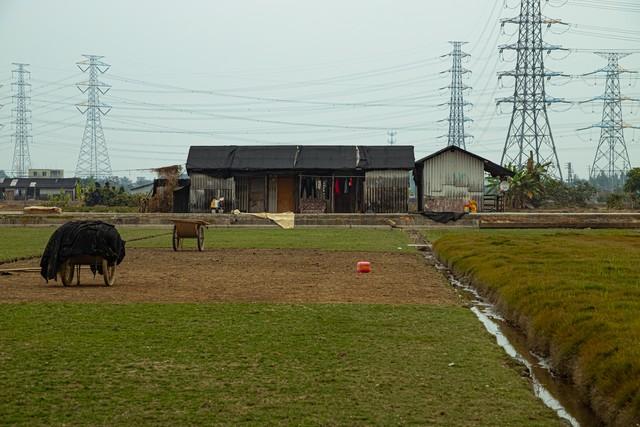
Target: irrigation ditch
x=552 y=389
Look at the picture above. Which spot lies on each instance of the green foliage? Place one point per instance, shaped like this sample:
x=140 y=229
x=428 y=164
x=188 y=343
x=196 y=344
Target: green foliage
x=527 y=185
x=608 y=184
x=632 y=186
x=616 y=201
x=257 y=364
x=108 y=195
x=577 y=294
x=560 y=194
x=60 y=200
x=532 y=186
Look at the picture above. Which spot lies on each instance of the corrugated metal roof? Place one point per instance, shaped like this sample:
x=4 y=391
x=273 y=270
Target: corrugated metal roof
x=493 y=168
x=55 y=183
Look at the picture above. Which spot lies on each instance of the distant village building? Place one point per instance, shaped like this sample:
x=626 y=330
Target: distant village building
x=36 y=188
x=144 y=189
x=450 y=178
x=302 y=179
x=46 y=173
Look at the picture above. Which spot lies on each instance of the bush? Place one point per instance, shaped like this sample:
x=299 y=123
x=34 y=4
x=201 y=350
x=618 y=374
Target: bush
x=108 y=195
x=560 y=194
x=61 y=200
x=620 y=201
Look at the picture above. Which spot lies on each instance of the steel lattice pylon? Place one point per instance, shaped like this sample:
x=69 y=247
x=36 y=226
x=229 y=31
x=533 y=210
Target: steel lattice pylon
x=612 y=157
x=93 y=160
x=457 y=104
x=529 y=130
x=21 y=121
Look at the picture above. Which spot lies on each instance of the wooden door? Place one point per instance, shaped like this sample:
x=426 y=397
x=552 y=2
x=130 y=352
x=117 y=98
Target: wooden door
x=286 y=193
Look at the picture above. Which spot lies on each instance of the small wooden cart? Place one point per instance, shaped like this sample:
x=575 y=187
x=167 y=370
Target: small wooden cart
x=188 y=229
x=73 y=264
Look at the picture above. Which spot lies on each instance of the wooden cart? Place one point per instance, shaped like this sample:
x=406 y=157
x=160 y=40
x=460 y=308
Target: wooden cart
x=73 y=264
x=188 y=229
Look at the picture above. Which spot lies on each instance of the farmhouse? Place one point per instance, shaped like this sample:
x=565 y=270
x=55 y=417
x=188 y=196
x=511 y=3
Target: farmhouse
x=302 y=179
x=36 y=188
x=450 y=178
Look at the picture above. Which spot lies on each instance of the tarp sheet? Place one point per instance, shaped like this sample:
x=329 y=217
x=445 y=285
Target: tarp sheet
x=75 y=238
x=224 y=159
x=284 y=220
x=444 y=217
x=386 y=157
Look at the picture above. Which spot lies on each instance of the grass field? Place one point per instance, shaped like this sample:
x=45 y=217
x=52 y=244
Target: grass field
x=22 y=242
x=255 y=363
x=576 y=294
x=333 y=239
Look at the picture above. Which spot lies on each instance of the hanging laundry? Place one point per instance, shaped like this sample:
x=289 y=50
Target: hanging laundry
x=336 y=185
x=346 y=186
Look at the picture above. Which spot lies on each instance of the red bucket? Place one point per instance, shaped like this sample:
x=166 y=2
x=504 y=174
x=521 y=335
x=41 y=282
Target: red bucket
x=363 y=267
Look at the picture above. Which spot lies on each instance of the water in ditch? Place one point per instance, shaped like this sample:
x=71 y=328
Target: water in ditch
x=556 y=394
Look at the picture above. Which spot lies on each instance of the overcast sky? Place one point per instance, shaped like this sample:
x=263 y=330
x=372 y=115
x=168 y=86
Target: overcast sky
x=293 y=72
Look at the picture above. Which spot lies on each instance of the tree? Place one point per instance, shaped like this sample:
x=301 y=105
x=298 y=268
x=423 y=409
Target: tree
x=527 y=185
x=632 y=186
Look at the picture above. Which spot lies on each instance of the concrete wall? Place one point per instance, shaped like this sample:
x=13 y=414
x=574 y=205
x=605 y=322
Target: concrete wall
x=498 y=220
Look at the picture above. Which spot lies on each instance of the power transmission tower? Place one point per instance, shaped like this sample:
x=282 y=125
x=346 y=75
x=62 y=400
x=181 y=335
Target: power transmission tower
x=93 y=160
x=21 y=120
x=391 y=137
x=529 y=130
x=612 y=157
x=457 y=104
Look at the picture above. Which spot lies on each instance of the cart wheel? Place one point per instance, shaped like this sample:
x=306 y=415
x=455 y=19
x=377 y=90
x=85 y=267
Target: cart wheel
x=108 y=273
x=200 y=238
x=176 y=239
x=66 y=273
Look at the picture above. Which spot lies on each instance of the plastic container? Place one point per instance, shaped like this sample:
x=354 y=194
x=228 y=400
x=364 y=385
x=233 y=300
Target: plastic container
x=363 y=267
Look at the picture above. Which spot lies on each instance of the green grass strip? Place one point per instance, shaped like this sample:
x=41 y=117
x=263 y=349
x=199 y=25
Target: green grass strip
x=21 y=242
x=576 y=294
x=256 y=364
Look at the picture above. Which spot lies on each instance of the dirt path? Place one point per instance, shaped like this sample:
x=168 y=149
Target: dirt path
x=247 y=275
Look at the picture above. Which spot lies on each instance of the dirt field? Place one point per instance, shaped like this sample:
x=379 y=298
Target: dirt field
x=245 y=275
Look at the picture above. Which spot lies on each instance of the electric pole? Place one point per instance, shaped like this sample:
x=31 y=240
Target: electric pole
x=569 y=173
x=457 y=104
x=21 y=136
x=391 y=137
x=93 y=160
x=612 y=157
x=529 y=130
